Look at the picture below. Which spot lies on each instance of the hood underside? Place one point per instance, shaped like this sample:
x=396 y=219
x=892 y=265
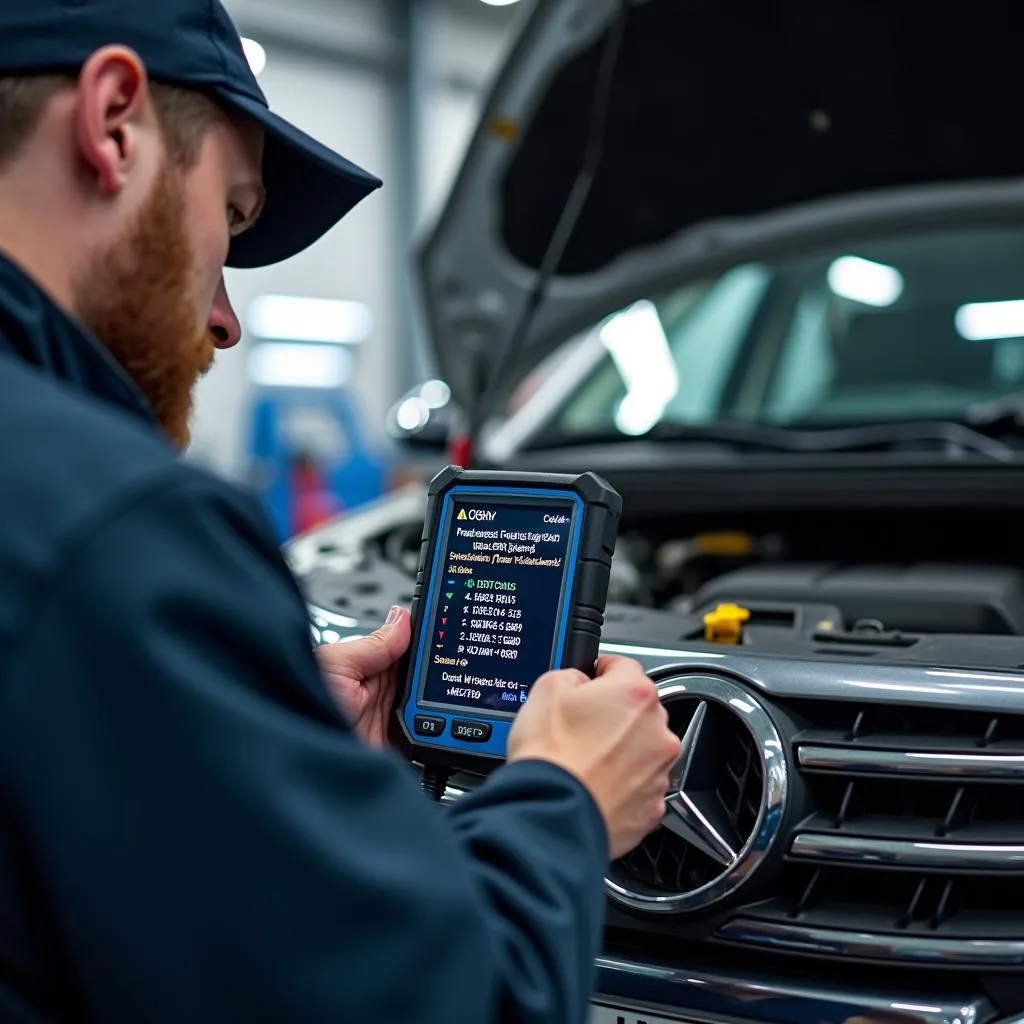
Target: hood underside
x=730 y=124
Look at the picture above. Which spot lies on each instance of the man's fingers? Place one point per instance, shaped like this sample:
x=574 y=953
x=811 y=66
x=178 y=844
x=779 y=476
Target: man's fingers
x=563 y=677
x=626 y=675
x=615 y=664
x=386 y=645
x=371 y=654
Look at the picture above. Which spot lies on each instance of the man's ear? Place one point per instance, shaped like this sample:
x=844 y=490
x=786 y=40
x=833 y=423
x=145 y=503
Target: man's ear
x=113 y=102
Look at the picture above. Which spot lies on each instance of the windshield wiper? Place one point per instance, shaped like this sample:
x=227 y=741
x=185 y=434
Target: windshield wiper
x=956 y=438
x=999 y=415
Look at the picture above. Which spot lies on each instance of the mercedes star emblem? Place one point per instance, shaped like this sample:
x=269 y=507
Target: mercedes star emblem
x=694 y=810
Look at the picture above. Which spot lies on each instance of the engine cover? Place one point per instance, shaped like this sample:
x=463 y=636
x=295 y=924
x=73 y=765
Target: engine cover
x=921 y=598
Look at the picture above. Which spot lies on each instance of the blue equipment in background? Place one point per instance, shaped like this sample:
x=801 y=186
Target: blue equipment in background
x=303 y=439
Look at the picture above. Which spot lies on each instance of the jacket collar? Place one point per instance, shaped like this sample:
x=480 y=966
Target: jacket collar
x=34 y=328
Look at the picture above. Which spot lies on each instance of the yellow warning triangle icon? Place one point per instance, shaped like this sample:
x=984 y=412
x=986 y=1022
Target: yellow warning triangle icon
x=462 y=514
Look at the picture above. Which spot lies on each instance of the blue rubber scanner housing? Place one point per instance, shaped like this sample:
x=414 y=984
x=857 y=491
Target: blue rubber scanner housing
x=595 y=508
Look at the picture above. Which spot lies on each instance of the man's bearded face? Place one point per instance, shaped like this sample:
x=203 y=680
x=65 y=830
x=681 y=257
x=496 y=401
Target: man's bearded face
x=137 y=300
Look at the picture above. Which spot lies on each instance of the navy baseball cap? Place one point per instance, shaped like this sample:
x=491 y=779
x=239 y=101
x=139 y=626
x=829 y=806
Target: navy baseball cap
x=195 y=43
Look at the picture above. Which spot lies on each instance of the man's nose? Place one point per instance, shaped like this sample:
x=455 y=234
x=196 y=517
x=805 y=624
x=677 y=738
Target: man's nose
x=224 y=325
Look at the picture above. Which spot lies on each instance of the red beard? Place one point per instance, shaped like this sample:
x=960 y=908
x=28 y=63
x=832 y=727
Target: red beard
x=136 y=301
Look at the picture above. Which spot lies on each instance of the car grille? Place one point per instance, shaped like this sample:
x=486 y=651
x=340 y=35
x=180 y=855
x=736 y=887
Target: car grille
x=664 y=863
x=912 y=844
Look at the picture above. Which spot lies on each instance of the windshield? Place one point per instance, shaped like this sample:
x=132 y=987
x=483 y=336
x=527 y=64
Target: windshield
x=920 y=326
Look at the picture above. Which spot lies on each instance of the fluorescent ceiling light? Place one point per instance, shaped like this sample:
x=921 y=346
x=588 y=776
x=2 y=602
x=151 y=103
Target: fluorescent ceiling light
x=637 y=343
x=255 y=54
x=297 y=318
x=435 y=393
x=989 y=321
x=499 y=3
x=276 y=365
x=412 y=414
x=874 y=284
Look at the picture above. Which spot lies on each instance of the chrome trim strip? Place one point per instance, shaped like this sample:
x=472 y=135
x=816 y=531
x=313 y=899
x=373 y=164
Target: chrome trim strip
x=853 y=760
x=870 y=945
x=703 y=996
x=833 y=679
x=909 y=853
x=640 y=651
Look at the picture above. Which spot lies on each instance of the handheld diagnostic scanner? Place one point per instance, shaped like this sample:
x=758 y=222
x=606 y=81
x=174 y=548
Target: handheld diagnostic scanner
x=512 y=582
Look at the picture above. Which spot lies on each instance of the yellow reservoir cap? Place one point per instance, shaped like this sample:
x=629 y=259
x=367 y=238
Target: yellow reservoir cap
x=729 y=544
x=725 y=624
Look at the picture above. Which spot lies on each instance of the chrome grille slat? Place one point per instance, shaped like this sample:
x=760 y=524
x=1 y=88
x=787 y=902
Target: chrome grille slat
x=894 y=741
x=955 y=765
x=905 y=853
x=911 y=845
x=910 y=949
x=916 y=830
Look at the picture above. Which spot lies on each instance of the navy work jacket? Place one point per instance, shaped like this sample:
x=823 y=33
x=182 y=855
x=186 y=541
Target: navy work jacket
x=189 y=829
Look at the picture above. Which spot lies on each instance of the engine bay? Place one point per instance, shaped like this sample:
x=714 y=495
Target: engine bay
x=863 y=741
x=866 y=582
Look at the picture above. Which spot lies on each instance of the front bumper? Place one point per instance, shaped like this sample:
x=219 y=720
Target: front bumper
x=641 y=989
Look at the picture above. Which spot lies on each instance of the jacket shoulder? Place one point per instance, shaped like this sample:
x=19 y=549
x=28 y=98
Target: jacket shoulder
x=69 y=443
x=70 y=464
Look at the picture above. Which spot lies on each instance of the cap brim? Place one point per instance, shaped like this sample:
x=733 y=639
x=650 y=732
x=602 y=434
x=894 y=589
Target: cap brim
x=309 y=189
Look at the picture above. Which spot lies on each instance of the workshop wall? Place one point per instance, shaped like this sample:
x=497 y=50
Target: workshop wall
x=354 y=261
x=336 y=68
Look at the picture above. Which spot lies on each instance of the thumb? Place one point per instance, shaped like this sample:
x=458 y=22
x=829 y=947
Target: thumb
x=372 y=654
x=384 y=646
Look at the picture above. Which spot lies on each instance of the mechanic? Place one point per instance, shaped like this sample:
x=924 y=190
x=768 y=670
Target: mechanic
x=197 y=820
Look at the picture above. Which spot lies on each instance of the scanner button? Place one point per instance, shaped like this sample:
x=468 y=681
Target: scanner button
x=427 y=725
x=471 y=732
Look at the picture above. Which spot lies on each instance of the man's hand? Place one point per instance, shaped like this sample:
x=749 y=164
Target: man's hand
x=362 y=676
x=612 y=733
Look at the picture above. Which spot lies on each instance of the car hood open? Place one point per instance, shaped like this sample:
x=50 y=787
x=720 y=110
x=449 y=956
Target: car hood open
x=735 y=129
